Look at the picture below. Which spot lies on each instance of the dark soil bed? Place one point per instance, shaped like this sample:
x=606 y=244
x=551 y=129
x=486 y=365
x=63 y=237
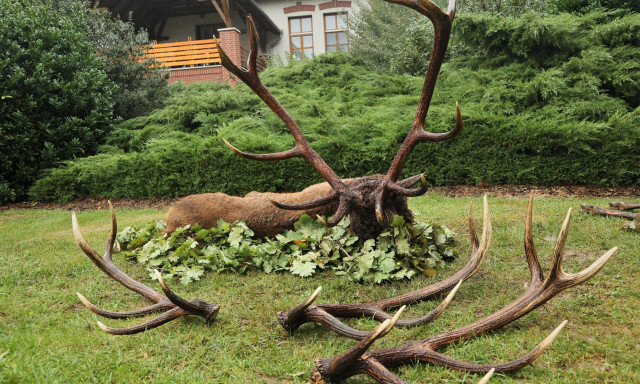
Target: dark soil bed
x=449 y=191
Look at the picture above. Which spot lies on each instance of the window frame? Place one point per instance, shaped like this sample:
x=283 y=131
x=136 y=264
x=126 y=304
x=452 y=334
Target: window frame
x=301 y=34
x=336 y=31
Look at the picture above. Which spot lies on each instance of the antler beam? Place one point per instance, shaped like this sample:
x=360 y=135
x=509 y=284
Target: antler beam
x=171 y=305
x=540 y=290
x=328 y=314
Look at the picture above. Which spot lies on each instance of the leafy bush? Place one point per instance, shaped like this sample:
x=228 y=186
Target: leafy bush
x=56 y=103
x=394 y=39
x=396 y=254
x=142 y=85
x=391 y=38
x=67 y=73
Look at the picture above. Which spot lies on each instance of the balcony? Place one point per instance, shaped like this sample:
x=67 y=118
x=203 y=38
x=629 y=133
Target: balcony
x=199 y=60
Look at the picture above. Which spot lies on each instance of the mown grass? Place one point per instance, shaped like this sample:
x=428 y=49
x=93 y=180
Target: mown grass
x=47 y=336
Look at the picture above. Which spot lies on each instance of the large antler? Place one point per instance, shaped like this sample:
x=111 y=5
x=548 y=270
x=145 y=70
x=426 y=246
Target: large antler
x=172 y=306
x=328 y=314
x=442 y=31
x=357 y=198
x=540 y=289
x=301 y=148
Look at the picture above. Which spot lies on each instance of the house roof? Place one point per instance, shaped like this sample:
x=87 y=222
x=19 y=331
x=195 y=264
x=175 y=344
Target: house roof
x=148 y=13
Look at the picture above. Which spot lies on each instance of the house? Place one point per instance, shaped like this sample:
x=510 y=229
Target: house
x=184 y=30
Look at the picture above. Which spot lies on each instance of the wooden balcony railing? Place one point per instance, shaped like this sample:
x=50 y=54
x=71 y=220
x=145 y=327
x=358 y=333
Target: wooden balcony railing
x=186 y=53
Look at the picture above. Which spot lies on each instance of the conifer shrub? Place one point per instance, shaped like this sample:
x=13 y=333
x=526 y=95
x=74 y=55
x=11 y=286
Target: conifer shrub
x=570 y=118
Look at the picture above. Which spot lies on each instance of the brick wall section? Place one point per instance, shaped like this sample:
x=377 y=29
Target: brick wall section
x=299 y=8
x=230 y=43
x=195 y=75
x=334 y=4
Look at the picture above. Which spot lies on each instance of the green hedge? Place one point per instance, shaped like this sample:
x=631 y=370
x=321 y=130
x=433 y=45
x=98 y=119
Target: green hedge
x=571 y=118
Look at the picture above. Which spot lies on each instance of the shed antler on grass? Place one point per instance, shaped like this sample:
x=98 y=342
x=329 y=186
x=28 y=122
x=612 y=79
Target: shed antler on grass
x=171 y=305
x=328 y=314
x=373 y=200
x=617 y=210
x=540 y=289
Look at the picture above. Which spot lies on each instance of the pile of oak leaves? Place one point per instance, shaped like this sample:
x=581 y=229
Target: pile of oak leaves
x=401 y=252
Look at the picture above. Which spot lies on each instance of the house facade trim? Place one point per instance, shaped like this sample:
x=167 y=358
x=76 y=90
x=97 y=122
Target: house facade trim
x=299 y=7
x=334 y=4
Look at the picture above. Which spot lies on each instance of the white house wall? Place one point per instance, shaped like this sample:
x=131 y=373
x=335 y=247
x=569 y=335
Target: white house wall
x=275 y=9
x=184 y=27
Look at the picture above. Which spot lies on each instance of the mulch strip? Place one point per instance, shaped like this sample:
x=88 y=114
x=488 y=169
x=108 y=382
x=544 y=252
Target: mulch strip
x=520 y=191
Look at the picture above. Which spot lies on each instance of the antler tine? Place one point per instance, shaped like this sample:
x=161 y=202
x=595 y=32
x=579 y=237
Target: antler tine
x=157 y=321
x=107 y=266
x=486 y=377
x=340 y=363
x=431 y=316
x=288 y=154
x=529 y=247
x=161 y=306
x=253 y=47
x=335 y=366
x=172 y=305
x=307 y=205
x=558 y=252
x=409 y=192
x=571 y=279
x=112 y=234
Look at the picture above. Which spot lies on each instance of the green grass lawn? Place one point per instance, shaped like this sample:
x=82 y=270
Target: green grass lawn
x=48 y=336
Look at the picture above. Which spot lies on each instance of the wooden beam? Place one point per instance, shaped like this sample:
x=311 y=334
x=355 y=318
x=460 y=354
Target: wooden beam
x=224 y=12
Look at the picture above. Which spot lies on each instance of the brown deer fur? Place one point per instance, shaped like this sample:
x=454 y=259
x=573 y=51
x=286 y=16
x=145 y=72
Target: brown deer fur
x=254 y=209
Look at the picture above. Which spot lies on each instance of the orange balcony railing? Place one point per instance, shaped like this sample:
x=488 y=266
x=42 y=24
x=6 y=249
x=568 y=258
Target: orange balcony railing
x=186 y=53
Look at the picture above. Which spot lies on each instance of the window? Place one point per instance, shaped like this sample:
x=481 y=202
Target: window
x=335 y=27
x=301 y=37
x=207 y=31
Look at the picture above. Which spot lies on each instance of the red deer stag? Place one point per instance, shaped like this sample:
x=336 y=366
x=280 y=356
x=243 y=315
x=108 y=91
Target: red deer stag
x=261 y=211
x=371 y=201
